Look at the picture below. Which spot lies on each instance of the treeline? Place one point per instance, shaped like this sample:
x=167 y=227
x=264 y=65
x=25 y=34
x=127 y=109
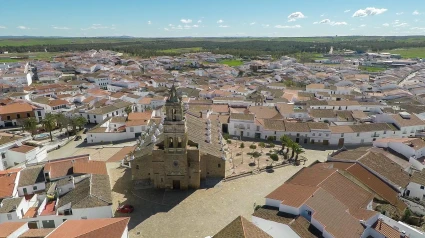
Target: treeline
x=236 y=48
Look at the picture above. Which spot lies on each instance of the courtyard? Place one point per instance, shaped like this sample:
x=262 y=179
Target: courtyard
x=202 y=212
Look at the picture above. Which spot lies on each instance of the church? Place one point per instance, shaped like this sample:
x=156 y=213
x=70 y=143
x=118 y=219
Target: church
x=179 y=152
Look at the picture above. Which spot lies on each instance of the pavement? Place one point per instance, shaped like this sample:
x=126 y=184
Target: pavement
x=197 y=213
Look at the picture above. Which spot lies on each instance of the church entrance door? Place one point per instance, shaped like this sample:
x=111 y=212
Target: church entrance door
x=176 y=184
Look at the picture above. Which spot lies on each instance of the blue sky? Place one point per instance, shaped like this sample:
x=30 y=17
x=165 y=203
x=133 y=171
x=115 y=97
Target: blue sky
x=178 y=18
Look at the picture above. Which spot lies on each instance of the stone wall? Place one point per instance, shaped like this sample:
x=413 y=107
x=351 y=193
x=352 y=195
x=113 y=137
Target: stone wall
x=215 y=166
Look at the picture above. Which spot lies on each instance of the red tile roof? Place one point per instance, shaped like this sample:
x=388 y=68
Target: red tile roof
x=90 y=167
x=23 y=149
x=62 y=167
x=7 y=183
x=108 y=227
x=8 y=228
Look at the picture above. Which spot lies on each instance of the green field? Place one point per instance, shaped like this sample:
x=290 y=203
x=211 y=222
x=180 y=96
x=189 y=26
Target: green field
x=61 y=41
x=232 y=62
x=181 y=50
x=410 y=52
x=372 y=69
x=6 y=58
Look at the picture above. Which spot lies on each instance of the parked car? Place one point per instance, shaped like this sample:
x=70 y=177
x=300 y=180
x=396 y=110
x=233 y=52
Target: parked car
x=127 y=208
x=85 y=131
x=85 y=139
x=77 y=138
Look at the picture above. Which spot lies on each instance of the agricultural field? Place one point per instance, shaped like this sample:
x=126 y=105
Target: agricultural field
x=9 y=58
x=410 y=52
x=232 y=62
x=60 y=41
x=372 y=69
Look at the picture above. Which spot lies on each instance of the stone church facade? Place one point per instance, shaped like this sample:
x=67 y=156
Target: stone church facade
x=188 y=151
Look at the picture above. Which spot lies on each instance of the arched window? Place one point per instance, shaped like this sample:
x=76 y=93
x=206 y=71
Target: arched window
x=173 y=113
x=179 y=145
x=170 y=142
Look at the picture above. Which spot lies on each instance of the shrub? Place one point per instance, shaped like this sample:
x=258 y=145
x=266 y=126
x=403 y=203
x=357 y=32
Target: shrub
x=271 y=145
x=229 y=141
x=274 y=157
x=253 y=147
x=256 y=154
x=226 y=136
x=242 y=145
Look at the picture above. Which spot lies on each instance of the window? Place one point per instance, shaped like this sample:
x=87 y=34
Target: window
x=131 y=129
x=28 y=115
x=358 y=134
x=385 y=132
x=327 y=134
x=34 y=188
x=219 y=165
x=9 y=216
x=248 y=126
x=314 y=134
x=309 y=212
x=162 y=180
x=247 y=134
x=8 y=117
x=94 y=116
x=137 y=166
x=298 y=134
x=85 y=218
x=258 y=128
x=320 y=134
x=422 y=187
x=3 y=155
x=39 y=113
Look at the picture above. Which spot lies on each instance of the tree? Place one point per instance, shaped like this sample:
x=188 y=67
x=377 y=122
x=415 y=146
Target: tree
x=30 y=125
x=298 y=151
x=253 y=147
x=128 y=110
x=274 y=157
x=271 y=138
x=407 y=214
x=49 y=124
x=294 y=147
x=286 y=140
x=61 y=121
x=242 y=145
x=262 y=145
x=81 y=121
x=271 y=145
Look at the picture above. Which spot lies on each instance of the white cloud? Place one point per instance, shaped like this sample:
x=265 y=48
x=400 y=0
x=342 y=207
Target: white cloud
x=195 y=26
x=186 y=21
x=2 y=27
x=325 y=21
x=252 y=23
x=287 y=27
x=332 y=23
x=98 y=26
x=386 y=24
x=265 y=25
x=415 y=12
x=199 y=21
x=170 y=25
x=338 y=23
x=418 y=28
x=401 y=25
x=322 y=15
x=223 y=26
x=166 y=29
x=23 y=27
x=369 y=11
x=60 y=28
x=295 y=15
x=399 y=13
x=149 y=22
x=347 y=11
x=362 y=25
x=220 y=21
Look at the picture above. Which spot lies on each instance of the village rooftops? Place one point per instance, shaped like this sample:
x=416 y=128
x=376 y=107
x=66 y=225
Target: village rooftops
x=23 y=149
x=62 y=167
x=10 y=204
x=93 y=191
x=108 y=227
x=241 y=228
x=7 y=228
x=31 y=175
x=242 y=116
x=6 y=138
x=7 y=183
x=17 y=107
x=37 y=233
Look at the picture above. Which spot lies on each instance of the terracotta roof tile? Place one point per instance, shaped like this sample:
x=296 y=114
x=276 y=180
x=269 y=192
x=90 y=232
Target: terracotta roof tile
x=8 y=228
x=90 y=167
x=241 y=228
x=108 y=227
x=292 y=194
x=7 y=182
x=37 y=233
x=23 y=149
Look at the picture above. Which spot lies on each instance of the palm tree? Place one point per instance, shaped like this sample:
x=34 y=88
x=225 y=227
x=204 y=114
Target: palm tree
x=61 y=120
x=295 y=147
x=49 y=124
x=128 y=110
x=298 y=151
x=30 y=125
x=286 y=140
x=73 y=123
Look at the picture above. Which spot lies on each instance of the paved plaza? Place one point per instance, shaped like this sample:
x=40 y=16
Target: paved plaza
x=197 y=213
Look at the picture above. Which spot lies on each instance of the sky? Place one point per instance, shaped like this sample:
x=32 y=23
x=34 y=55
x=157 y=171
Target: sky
x=211 y=18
